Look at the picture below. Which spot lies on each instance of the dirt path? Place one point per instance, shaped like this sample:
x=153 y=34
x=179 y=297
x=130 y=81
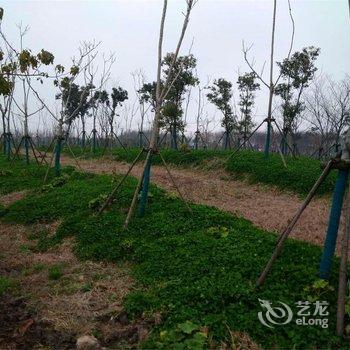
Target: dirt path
x=266 y=207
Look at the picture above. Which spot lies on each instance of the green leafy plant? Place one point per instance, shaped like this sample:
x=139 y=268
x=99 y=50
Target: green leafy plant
x=6 y=172
x=318 y=289
x=186 y=335
x=97 y=202
x=5 y=285
x=56 y=182
x=55 y=272
x=87 y=287
x=185 y=264
x=3 y=210
x=218 y=231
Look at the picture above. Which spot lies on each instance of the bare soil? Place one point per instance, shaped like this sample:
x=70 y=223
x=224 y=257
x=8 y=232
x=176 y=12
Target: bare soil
x=12 y=197
x=265 y=206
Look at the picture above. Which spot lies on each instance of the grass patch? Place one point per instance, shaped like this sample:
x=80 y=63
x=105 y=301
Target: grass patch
x=54 y=272
x=197 y=269
x=17 y=176
x=299 y=176
x=5 y=285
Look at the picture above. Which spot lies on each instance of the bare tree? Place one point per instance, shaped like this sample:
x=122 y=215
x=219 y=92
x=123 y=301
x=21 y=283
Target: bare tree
x=337 y=106
x=328 y=111
x=271 y=84
x=139 y=79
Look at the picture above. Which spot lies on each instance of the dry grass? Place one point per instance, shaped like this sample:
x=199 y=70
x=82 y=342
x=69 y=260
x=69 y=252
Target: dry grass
x=12 y=197
x=240 y=341
x=74 y=302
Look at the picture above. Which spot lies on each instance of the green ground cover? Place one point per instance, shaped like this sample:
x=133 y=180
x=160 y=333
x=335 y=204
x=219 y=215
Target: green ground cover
x=197 y=269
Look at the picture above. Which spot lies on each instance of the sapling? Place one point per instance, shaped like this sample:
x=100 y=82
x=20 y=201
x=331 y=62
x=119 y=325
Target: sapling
x=220 y=95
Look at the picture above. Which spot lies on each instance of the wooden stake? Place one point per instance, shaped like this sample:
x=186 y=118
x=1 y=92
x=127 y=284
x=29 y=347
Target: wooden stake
x=278 y=147
x=246 y=140
x=174 y=183
x=48 y=167
x=115 y=190
x=136 y=193
x=74 y=157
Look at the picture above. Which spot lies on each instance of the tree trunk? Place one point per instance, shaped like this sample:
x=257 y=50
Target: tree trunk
x=145 y=187
x=4 y=133
x=94 y=131
x=58 y=148
x=174 y=136
x=8 y=140
x=83 y=140
x=226 y=140
x=26 y=139
x=271 y=88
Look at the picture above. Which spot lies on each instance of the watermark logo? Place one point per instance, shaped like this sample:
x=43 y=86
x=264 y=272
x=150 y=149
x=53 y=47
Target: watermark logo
x=307 y=313
x=277 y=315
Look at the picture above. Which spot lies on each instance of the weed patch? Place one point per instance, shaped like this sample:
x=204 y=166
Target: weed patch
x=5 y=285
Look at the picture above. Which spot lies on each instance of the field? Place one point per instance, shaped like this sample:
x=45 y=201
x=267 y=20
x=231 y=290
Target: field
x=298 y=177
x=188 y=278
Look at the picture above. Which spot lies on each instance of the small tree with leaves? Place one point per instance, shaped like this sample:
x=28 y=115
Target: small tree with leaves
x=297 y=72
x=183 y=72
x=247 y=86
x=98 y=99
x=118 y=96
x=18 y=64
x=220 y=95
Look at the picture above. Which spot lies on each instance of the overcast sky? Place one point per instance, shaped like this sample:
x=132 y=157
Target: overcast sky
x=130 y=29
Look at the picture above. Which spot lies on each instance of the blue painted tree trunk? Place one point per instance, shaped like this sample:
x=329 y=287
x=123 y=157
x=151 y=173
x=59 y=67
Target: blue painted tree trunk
x=173 y=134
x=226 y=137
x=140 y=139
x=58 y=150
x=4 y=142
x=83 y=140
x=333 y=224
x=267 y=140
x=8 y=146
x=145 y=187
x=94 y=131
x=26 y=148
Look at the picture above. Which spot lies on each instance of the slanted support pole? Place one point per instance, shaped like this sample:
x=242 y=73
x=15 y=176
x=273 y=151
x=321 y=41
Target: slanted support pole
x=286 y=232
x=333 y=223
